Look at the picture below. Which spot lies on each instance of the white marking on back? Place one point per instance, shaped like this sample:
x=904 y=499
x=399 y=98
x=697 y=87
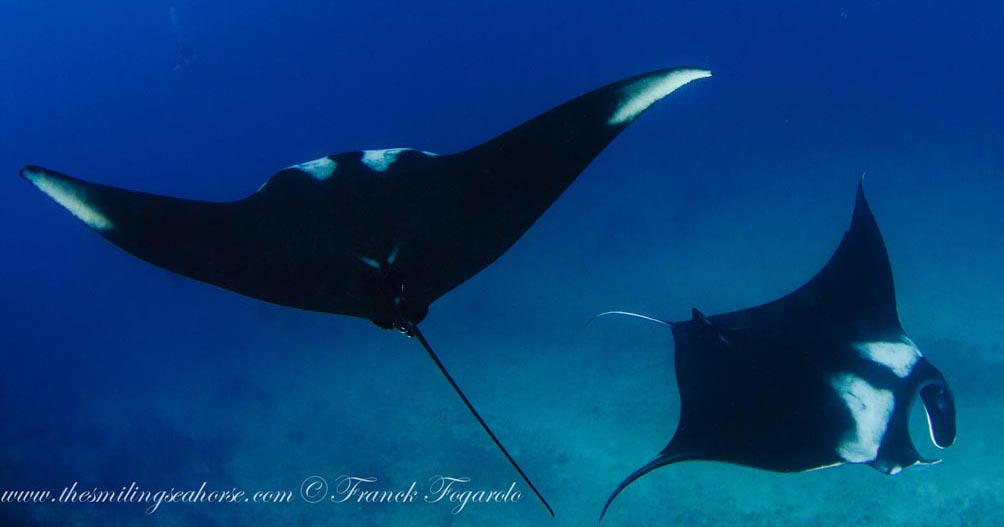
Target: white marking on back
x=638 y=96
x=320 y=169
x=900 y=357
x=381 y=160
x=71 y=196
x=871 y=409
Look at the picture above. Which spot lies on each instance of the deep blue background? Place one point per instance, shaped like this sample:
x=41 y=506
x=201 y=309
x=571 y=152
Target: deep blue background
x=728 y=193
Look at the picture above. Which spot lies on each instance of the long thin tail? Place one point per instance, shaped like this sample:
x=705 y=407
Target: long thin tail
x=456 y=388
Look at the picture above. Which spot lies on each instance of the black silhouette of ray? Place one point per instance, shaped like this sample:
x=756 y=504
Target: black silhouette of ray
x=821 y=377
x=378 y=234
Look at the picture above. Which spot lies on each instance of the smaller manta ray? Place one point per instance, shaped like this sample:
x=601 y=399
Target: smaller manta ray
x=821 y=377
x=376 y=234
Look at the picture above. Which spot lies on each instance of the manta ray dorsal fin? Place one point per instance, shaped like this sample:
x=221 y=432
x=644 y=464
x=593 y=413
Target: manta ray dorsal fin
x=707 y=329
x=698 y=318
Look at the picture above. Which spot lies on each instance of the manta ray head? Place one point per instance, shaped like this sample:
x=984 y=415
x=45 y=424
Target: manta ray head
x=881 y=410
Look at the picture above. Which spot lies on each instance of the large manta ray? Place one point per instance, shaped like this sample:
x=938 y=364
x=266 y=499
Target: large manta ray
x=377 y=234
x=821 y=377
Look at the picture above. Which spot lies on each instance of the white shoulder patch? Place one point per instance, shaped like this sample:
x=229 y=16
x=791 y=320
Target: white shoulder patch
x=638 y=96
x=72 y=197
x=871 y=409
x=320 y=169
x=900 y=357
x=381 y=160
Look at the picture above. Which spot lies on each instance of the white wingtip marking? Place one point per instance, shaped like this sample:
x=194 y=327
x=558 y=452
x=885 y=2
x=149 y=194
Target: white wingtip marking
x=320 y=169
x=871 y=409
x=70 y=196
x=638 y=96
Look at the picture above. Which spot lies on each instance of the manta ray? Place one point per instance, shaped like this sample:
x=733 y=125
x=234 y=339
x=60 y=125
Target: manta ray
x=375 y=234
x=821 y=377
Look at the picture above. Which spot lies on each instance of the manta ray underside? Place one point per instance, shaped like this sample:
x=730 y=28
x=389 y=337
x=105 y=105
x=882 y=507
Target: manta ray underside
x=377 y=234
x=821 y=377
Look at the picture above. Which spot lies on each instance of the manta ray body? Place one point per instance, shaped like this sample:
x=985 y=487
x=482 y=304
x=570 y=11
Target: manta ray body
x=821 y=377
x=377 y=234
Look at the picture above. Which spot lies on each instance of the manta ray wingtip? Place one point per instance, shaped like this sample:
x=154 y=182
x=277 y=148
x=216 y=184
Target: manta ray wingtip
x=69 y=193
x=29 y=172
x=639 y=93
x=668 y=456
x=862 y=209
x=694 y=72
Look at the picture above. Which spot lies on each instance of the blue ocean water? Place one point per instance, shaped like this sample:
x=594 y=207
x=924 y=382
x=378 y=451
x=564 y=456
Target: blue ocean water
x=728 y=193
